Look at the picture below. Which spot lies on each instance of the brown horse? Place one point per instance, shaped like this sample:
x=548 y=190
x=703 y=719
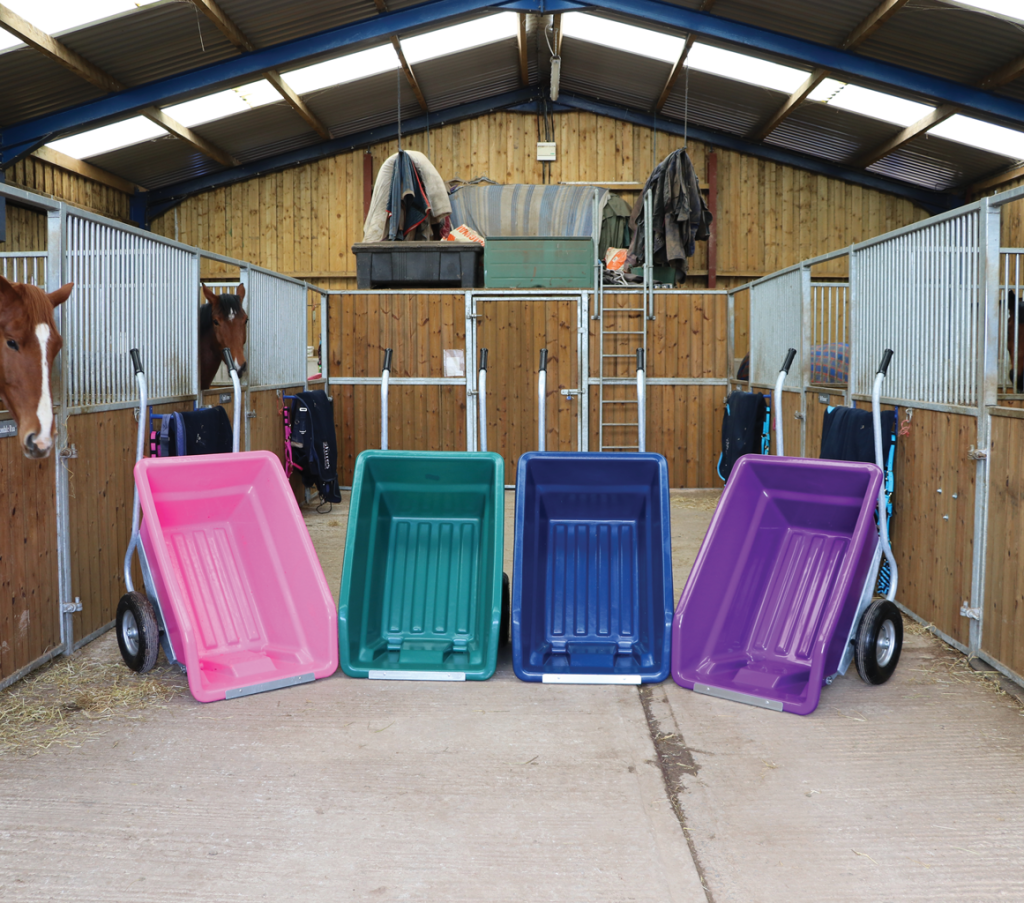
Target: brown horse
x=1015 y=340
x=222 y=324
x=29 y=342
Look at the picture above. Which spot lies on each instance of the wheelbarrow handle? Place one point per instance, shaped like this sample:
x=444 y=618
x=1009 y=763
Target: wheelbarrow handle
x=543 y=359
x=387 y=359
x=136 y=360
x=639 y=359
x=789 y=360
x=883 y=367
x=226 y=352
x=483 y=358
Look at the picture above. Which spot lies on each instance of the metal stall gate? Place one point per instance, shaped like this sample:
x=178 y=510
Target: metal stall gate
x=779 y=320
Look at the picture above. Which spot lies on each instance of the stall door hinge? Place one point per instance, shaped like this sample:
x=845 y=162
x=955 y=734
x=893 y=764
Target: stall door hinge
x=967 y=612
x=977 y=454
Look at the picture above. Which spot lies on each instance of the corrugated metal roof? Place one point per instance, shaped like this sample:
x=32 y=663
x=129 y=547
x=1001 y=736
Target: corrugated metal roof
x=34 y=84
x=153 y=164
x=938 y=163
x=151 y=43
x=267 y=22
x=448 y=81
x=721 y=103
x=366 y=104
x=263 y=132
x=612 y=75
x=945 y=40
x=800 y=18
x=819 y=130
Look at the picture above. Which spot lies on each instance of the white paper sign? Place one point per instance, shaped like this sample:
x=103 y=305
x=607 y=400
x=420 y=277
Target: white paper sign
x=454 y=362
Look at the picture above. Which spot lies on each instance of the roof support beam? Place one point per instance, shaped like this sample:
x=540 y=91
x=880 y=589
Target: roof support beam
x=1007 y=175
x=939 y=114
x=673 y=76
x=162 y=199
x=155 y=114
x=86 y=170
x=881 y=13
x=409 y=74
x=228 y=28
x=934 y=201
x=524 y=67
x=297 y=103
x=41 y=41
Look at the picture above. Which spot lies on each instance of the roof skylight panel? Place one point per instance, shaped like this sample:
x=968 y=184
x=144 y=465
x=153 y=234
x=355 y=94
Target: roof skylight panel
x=343 y=69
x=983 y=135
x=743 y=68
x=53 y=16
x=108 y=138
x=618 y=35
x=456 y=38
x=223 y=103
x=866 y=102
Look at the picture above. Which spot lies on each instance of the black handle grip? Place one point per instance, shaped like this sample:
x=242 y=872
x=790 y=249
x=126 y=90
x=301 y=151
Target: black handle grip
x=387 y=359
x=789 y=360
x=639 y=359
x=228 y=359
x=883 y=367
x=483 y=358
x=136 y=360
x=543 y=359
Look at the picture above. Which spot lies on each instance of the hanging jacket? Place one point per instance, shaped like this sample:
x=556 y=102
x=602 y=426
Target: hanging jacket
x=314 y=447
x=679 y=216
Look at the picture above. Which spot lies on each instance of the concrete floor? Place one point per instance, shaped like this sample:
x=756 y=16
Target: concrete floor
x=504 y=791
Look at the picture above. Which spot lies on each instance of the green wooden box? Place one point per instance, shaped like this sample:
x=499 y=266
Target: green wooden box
x=539 y=261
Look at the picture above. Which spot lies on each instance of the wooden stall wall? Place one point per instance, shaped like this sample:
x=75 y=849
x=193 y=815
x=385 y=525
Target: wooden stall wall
x=1002 y=634
x=26 y=229
x=303 y=221
x=29 y=600
x=418 y=328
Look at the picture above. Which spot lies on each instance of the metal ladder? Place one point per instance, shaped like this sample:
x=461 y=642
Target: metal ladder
x=620 y=338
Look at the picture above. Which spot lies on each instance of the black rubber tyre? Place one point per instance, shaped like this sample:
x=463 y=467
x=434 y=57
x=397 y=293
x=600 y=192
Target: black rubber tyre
x=138 y=636
x=879 y=642
x=505 y=631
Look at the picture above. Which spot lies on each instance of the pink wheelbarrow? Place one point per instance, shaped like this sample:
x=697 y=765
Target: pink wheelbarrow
x=234 y=592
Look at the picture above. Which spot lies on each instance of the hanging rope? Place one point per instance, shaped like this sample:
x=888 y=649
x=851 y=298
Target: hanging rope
x=398 y=76
x=686 y=103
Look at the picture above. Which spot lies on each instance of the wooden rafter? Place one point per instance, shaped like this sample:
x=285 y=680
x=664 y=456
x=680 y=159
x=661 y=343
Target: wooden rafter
x=524 y=67
x=297 y=103
x=409 y=74
x=155 y=114
x=382 y=7
x=41 y=41
x=81 y=168
x=881 y=14
x=227 y=28
x=939 y=114
x=677 y=69
x=1007 y=175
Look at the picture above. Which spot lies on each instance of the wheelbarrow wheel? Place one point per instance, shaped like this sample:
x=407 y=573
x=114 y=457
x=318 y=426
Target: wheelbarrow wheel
x=506 y=611
x=879 y=642
x=138 y=636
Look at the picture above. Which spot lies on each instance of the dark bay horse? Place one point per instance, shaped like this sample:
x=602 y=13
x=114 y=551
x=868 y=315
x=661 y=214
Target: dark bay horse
x=1015 y=340
x=29 y=342
x=222 y=324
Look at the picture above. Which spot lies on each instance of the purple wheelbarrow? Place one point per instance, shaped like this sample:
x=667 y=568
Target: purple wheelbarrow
x=779 y=601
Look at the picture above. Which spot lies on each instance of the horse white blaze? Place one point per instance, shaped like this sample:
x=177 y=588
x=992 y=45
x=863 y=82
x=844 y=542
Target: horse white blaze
x=44 y=411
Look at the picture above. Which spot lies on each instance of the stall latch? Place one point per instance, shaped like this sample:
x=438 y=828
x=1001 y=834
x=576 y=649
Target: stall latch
x=570 y=393
x=967 y=612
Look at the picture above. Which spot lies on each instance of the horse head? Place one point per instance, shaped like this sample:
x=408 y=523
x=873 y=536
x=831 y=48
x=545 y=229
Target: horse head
x=229 y=323
x=29 y=342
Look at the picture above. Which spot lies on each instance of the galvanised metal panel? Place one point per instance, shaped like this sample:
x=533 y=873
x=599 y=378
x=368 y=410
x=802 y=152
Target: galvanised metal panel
x=945 y=40
x=24 y=266
x=131 y=291
x=829 y=313
x=369 y=102
x=939 y=163
x=721 y=103
x=776 y=325
x=808 y=19
x=150 y=43
x=458 y=78
x=917 y=293
x=152 y=164
x=262 y=132
x=612 y=75
x=825 y=131
x=276 y=341
x=34 y=84
x=266 y=22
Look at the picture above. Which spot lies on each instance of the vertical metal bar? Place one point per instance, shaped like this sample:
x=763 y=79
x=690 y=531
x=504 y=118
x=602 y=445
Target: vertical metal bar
x=245 y=277
x=987 y=380
x=730 y=334
x=583 y=321
x=853 y=324
x=805 y=352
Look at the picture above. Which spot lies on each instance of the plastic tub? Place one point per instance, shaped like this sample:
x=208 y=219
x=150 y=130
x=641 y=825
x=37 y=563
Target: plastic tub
x=421 y=585
x=592 y=582
x=241 y=593
x=767 y=610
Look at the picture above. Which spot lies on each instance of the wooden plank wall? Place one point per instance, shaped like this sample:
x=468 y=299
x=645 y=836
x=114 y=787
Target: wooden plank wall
x=417 y=327
x=303 y=221
x=29 y=601
x=1003 y=625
